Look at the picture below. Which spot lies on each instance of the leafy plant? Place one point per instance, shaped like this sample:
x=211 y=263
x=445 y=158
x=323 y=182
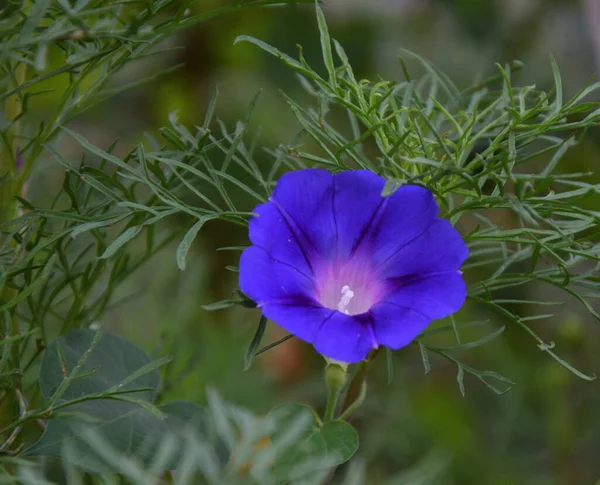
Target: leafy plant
x=490 y=153
x=477 y=150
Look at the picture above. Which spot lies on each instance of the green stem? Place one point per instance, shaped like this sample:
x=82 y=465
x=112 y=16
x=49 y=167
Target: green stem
x=335 y=378
x=332 y=400
x=8 y=211
x=8 y=155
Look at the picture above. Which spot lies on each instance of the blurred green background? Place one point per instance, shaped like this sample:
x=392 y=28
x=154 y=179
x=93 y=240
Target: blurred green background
x=419 y=429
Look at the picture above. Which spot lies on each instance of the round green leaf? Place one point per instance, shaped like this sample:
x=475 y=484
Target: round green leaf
x=110 y=362
x=112 y=422
x=303 y=447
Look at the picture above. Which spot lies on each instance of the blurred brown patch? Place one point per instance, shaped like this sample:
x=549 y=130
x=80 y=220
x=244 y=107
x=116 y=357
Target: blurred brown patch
x=286 y=362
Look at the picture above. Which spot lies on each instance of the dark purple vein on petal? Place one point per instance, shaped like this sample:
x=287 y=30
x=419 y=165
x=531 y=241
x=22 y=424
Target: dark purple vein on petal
x=335 y=224
x=296 y=299
x=285 y=263
x=386 y=260
x=291 y=266
x=400 y=282
x=295 y=228
x=320 y=327
x=369 y=325
x=403 y=307
x=366 y=228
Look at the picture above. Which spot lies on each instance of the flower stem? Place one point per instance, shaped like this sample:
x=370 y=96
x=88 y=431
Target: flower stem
x=332 y=400
x=335 y=377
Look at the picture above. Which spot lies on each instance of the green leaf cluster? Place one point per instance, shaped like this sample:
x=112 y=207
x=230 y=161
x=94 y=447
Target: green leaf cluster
x=490 y=149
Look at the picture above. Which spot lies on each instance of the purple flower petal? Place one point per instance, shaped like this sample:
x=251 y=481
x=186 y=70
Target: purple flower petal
x=271 y=232
x=406 y=215
x=396 y=326
x=330 y=214
x=265 y=279
x=440 y=248
x=301 y=317
x=402 y=315
x=345 y=338
x=356 y=202
x=436 y=295
x=334 y=334
x=304 y=200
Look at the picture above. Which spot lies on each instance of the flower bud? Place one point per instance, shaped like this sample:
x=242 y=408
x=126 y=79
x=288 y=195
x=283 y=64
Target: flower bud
x=335 y=376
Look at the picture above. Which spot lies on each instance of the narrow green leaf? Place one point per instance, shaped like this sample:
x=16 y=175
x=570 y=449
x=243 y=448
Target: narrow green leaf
x=446 y=328
x=15 y=338
x=221 y=305
x=287 y=60
x=569 y=367
x=148 y=406
x=326 y=46
x=238 y=183
x=146 y=369
x=460 y=375
x=126 y=236
x=97 y=151
x=558 y=89
x=186 y=243
x=33 y=18
x=455 y=329
x=476 y=343
x=274 y=344
x=558 y=155
x=424 y=357
x=68 y=189
x=41 y=279
x=88 y=226
x=69 y=375
x=255 y=342
x=212 y=102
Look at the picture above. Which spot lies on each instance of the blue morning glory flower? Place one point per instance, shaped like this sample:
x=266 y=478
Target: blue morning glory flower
x=340 y=266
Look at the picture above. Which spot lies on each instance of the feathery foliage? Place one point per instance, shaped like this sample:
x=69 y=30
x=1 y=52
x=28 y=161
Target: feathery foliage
x=490 y=153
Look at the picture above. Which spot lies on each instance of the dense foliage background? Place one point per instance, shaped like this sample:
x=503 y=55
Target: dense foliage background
x=417 y=428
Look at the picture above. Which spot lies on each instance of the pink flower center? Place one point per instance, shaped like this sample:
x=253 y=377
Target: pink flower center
x=349 y=287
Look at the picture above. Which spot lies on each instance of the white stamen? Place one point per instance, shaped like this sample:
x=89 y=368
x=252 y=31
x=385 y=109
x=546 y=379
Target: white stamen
x=347 y=295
